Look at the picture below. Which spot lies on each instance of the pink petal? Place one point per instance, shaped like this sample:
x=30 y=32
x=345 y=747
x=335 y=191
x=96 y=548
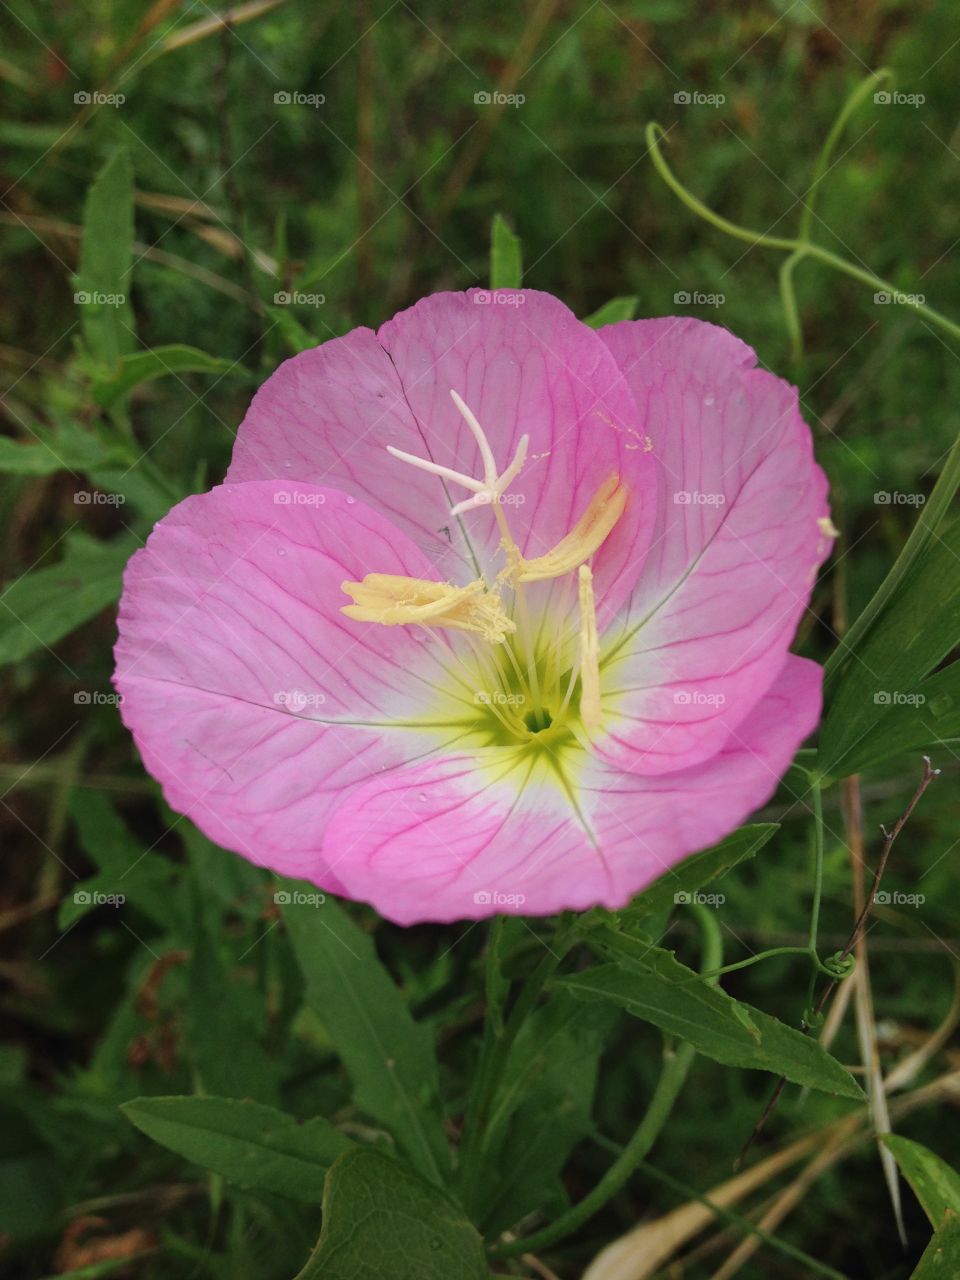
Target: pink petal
x=524 y=364
x=252 y=699
x=463 y=836
x=735 y=548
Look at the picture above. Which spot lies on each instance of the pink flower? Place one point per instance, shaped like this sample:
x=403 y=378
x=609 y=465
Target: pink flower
x=492 y=612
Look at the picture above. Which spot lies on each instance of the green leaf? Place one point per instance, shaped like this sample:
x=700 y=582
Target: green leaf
x=687 y=877
x=652 y=985
x=918 y=720
x=67 y=449
x=611 y=312
x=941 y=1258
x=916 y=631
x=931 y=516
x=389 y=1057
x=381 y=1220
x=297 y=337
x=44 y=605
x=256 y=1147
x=143 y=366
x=124 y=866
x=106 y=261
x=506 y=256
x=224 y=1021
x=543 y=1110
x=935 y=1184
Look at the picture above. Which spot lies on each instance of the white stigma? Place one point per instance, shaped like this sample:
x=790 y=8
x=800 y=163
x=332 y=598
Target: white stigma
x=486 y=491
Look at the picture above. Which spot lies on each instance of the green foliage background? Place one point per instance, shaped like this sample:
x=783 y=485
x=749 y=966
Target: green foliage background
x=215 y=197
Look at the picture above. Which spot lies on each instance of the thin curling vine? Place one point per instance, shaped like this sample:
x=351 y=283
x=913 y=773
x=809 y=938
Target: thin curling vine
x=802 y=246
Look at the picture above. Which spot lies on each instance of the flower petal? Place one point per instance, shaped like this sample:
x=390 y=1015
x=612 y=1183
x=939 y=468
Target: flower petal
x=458 y=837
x=523 y=364
x=252 y=698
x=735 y=549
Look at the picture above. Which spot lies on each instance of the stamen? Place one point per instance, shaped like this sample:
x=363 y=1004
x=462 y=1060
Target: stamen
x=589 y=653
x=393 y=600
x=587 y=535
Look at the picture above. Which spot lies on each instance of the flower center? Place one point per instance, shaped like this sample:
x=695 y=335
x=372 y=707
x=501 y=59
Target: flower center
x=525 y=664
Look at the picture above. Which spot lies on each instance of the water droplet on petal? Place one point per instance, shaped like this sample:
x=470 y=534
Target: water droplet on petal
x=422 y=797
x=288 y=462
x=350 y=501
x=281 y=551
x=708 y=400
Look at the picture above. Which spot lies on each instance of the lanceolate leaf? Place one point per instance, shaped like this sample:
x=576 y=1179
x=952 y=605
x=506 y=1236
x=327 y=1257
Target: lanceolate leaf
x=381 y=1221
x=677 y=884
x=67 y=449
x=506 y=262
x=916 y=631
x=253 y=1146
x=46 y=604
x=389 y=1057
x=613 y=311
x=912 y=720
x=544 y=1109
x=941 y=1258
x=102 y=292
x=142 y=366
x=660 y=990
x=935 y=1184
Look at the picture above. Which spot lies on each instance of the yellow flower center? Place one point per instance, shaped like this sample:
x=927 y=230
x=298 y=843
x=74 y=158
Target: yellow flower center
x=523 y=676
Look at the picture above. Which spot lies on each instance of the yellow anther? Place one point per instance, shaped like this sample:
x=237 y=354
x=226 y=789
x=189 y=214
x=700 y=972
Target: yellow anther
x=586 y=536
x=589 y=653
x=393 y=600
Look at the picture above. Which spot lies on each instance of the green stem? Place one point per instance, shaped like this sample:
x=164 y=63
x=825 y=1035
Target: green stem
x=676 y=1064
x=745 y=964
x=833 y=137
x=815 y=968
x=805 y=248
x=788 y=297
